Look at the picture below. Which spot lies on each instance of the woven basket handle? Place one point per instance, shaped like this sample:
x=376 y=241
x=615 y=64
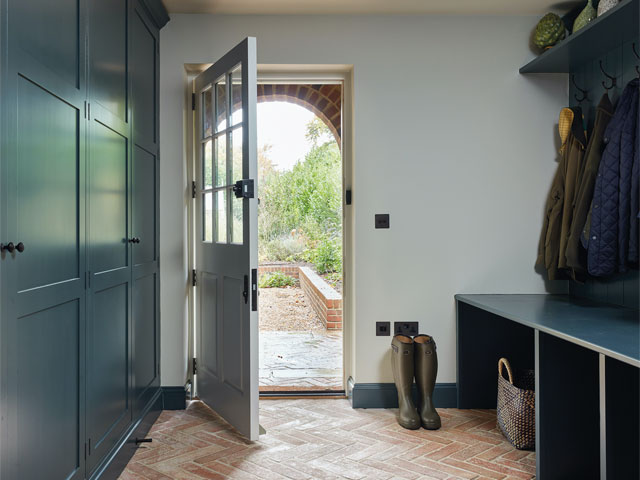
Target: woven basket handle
x=505 y=362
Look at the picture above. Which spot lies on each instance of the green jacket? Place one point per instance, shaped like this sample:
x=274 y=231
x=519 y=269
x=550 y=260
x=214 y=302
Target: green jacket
x=575 y=254
x=559 y=206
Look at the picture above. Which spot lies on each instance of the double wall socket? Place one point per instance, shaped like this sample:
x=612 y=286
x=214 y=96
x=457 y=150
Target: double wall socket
x=405 y=328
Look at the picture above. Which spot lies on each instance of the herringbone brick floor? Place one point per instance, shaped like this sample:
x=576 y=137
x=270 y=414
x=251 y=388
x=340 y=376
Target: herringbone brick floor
x=327 y=439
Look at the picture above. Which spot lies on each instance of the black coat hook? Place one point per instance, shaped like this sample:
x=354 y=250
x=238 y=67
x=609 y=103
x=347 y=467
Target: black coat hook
x=635 y=52
x=584 y=93
x=613 y=79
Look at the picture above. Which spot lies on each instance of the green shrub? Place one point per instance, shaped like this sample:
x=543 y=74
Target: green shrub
x=300 y=213
x=327 y=257
x=281 y=249
x=333 y=279
x=276 y=280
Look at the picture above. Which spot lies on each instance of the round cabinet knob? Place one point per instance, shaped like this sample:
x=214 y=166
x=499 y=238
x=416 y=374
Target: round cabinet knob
x=136 y=239
x=20 y=247
x=9 y=247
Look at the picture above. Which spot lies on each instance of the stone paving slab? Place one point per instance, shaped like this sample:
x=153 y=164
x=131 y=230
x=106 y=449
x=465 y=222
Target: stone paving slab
x=299 y=359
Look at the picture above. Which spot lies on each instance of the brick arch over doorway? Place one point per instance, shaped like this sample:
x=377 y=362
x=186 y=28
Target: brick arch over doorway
x=323 y=100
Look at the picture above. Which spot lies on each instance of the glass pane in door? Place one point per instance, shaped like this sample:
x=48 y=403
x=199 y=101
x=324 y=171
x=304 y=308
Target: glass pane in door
x=221 y=104
x=236 y=96
x=207 y=164
x=221 y=160
x=221 y=216
x=236 y=155
x=207 y=217
x=207 y=113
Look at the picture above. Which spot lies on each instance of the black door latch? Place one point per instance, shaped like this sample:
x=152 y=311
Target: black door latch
x=244 y=188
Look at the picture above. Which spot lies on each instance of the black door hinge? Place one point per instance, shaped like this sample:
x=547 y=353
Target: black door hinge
x=194 y=278
x=348 y=196
x=194 y=366
x=193 y=101
x=194 y=189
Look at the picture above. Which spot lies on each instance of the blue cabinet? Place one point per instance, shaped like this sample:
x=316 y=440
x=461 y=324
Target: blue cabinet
x=79 y=324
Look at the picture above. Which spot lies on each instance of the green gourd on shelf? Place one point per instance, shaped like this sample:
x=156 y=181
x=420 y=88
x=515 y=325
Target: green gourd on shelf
x=585 y=16
x=549 y=31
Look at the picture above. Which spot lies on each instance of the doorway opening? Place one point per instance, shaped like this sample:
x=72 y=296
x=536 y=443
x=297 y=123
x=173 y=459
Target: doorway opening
x=300 y=237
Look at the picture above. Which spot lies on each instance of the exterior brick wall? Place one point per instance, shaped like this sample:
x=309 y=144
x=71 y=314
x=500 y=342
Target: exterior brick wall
x=323 y=100
x=291 y=270
x=325 y=301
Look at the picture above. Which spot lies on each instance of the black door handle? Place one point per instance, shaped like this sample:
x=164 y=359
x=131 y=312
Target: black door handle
x=10 y=247
x=245 y=292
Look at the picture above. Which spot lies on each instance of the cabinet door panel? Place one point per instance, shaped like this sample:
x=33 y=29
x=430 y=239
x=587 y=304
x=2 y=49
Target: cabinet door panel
x=48 y=408
x=47 y=185
x=143 y=80
x=42 y=298
x=50 y=33
x=144 y=206
x=145 y=355
x=108 y=55
x=107 y=366
x=108 y=199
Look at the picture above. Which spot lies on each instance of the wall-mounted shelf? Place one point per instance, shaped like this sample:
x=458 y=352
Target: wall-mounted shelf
x=617 y=26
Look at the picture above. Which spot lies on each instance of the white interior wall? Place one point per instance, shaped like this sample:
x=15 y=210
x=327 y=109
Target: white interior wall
x=448 y=138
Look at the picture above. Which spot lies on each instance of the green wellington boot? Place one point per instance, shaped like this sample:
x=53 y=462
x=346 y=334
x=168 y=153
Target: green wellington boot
x=426 y=369
x=402 y=364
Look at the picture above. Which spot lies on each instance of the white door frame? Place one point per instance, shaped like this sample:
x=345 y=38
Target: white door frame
x=287 y=74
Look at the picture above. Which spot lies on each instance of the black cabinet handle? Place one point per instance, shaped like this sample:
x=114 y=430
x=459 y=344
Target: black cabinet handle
x=10 y=247
x=134 y=240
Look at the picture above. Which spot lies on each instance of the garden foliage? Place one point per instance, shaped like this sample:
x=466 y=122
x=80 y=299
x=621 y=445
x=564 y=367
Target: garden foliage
x=300 y=214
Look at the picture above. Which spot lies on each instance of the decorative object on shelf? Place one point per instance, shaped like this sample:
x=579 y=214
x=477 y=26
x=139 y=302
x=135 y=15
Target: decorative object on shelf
x=516 y=408
x=606 y=5
x=549 y=31
x=585 y=16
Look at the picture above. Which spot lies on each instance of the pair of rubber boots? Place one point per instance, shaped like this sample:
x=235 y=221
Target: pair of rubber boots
x=415 y=357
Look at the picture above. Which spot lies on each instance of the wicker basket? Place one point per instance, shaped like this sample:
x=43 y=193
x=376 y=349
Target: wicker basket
x=517 y=406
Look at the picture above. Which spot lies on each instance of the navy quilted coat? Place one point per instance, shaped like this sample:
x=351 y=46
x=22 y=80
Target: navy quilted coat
x=612 y=219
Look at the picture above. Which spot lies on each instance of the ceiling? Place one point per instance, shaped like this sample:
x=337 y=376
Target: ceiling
x=376 y=7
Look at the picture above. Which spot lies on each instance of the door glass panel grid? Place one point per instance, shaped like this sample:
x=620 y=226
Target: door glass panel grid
x=222 y=158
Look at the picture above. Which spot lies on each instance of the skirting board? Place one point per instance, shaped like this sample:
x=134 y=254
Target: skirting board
x=385 y=395
x=174 y=398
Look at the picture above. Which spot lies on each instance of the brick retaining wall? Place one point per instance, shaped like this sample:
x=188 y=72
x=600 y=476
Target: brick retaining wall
x=325 y=301
x=287 y=269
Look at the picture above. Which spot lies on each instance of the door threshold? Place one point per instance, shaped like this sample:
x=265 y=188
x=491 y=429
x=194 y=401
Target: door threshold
x=291 y=394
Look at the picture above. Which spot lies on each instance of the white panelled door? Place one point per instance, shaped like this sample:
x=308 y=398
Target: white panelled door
x=227 y=238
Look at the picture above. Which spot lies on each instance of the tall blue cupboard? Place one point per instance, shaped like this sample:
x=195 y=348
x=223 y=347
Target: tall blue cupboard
x=79 y=270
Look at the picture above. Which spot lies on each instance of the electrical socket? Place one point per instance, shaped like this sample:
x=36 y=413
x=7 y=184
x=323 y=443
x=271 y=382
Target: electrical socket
x=382 y=220
x=405 y=328
x=383 y=329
